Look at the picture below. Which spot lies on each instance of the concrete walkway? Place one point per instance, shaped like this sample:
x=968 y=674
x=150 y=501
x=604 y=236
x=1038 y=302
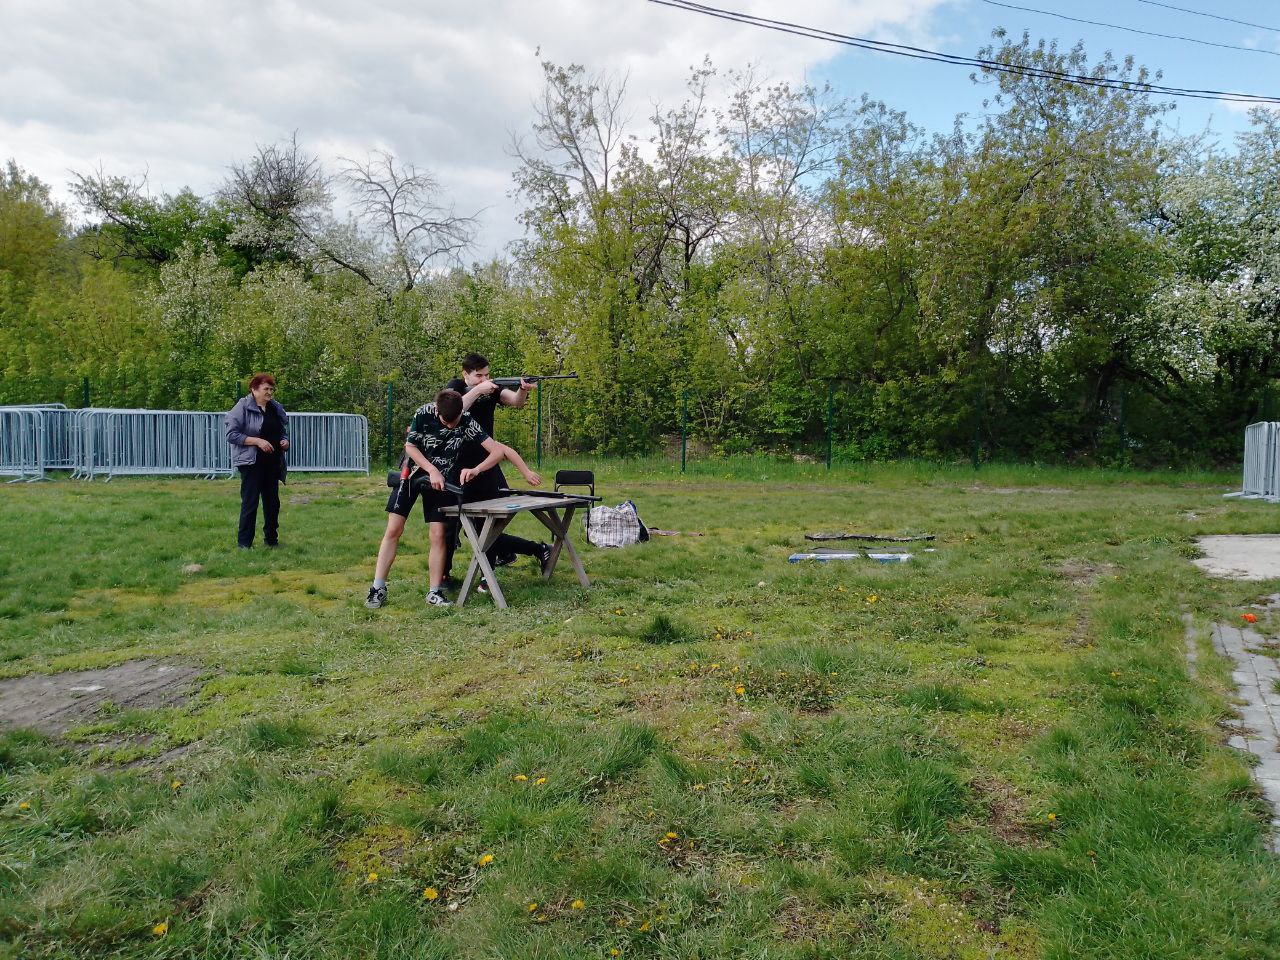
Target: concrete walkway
x=1255 y=676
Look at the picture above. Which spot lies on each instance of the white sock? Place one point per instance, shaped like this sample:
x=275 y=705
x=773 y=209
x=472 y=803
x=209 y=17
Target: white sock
x=379 y=583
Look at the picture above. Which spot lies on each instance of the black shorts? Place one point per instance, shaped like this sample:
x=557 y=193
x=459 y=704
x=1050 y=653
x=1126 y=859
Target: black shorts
x=432 y=501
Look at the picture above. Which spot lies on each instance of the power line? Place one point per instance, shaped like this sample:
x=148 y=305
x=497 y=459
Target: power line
x=1211 y=16
x=994 y=66
x=1116 y=26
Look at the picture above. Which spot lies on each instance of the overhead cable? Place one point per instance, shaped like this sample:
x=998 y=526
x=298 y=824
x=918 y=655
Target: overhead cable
x=1211 y=16
x=993 y=66
x=1145 y=33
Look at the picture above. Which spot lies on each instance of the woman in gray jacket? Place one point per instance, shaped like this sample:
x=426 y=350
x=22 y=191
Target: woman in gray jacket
x=258 y=431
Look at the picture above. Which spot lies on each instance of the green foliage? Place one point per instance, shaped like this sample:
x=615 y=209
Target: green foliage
x=1063 y=279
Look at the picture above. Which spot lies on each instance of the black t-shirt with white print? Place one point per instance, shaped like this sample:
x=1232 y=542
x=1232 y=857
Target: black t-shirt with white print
x=440 y=444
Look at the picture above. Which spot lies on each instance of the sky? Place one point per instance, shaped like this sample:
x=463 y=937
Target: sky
x=179 y=92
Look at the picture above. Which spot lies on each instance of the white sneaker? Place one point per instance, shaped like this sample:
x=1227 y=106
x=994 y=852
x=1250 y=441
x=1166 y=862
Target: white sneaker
x=437 y=599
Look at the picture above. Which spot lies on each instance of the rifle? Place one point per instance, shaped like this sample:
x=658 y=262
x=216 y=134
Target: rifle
x=411 y=475
x=513 y=383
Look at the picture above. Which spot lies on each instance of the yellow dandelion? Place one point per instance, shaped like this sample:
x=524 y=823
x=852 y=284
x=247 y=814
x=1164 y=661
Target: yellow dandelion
x=840 y=589
x=872 y=598
x=739 y=689
x=715 y=666
x=175 y=785
x=643 y=927
x=24 y=805
x=519 y=778
x=372 y=878
x=699 y=786
x=160 y=929
x=431 y=893
x=532 y=908
x=540 y=781
x=1052 y=817
x=671 y=836
x=577 y=905
x=615 y=952
x=485 y=860
x=748 y=633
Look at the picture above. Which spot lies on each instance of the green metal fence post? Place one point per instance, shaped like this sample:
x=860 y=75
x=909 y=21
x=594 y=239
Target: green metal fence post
x=684 y=429
x=831 y=397
x=390 y=438
x=539 y=440
x=977 y=430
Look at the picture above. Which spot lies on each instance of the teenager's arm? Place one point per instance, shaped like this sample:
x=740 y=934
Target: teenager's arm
x=532 y=477
x=496 y=453
x=516 y=398
x=481 y=389
x=418 y=457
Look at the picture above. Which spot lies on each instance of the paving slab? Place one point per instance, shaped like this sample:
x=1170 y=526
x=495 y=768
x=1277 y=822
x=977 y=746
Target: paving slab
x=54 y=703
x=1244 y=557
x=1255 y=677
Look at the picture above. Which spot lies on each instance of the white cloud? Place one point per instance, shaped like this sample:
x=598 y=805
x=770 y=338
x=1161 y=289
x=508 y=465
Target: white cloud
x=182 y=91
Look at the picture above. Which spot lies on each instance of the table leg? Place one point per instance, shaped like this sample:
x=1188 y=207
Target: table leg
x=480 y=542
x=559 y=525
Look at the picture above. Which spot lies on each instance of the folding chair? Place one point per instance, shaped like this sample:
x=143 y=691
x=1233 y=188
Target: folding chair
x=577 y=478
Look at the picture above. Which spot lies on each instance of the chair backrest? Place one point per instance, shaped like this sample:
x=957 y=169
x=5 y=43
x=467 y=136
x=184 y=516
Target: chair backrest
x=578 y=478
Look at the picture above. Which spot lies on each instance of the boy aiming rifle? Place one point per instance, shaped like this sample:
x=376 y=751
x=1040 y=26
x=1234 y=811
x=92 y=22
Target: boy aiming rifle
x=438 y=435
x=481 y=396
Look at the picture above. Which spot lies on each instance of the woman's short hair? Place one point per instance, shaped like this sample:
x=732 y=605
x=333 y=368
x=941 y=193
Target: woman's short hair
x=259 y=379
x=449 y=405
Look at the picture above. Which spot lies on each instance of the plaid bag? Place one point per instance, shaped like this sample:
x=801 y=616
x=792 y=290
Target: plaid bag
x=615 y=526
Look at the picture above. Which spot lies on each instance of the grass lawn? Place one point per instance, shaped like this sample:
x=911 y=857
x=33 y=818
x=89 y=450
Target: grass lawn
x=992 y=751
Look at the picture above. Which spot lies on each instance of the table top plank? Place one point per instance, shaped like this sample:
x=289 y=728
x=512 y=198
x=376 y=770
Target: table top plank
x=513 y=503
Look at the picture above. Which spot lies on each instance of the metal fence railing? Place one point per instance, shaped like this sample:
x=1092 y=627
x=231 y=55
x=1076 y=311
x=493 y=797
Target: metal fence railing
x=107 y=442
x=328 y=442
x=1261 y=463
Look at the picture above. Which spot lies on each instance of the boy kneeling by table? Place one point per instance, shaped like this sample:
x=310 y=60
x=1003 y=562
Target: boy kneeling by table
x=436 y=437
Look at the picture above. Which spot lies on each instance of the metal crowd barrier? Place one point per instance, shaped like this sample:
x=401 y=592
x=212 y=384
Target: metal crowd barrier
x=1261 y=463
x=22 y=443
x=328 y=442
x=110 y=442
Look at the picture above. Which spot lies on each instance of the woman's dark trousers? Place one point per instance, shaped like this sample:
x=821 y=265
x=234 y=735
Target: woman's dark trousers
x=259 y=480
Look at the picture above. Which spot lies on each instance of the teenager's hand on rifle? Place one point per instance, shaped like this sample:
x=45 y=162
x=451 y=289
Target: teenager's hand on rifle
x=533 y=478
x=526 y=386
x=261 y=444
x=436 y=478
x=486 y=387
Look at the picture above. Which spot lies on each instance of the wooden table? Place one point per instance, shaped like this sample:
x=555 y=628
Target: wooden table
x=554 y=511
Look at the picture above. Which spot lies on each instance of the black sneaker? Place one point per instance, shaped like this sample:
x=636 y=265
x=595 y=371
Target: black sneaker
x=504 y=560
x=544 y=557
x=437 y=599
x=377 y=598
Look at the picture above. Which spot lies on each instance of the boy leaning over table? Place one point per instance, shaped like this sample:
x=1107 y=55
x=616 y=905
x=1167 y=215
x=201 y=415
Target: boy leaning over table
x=437 y=436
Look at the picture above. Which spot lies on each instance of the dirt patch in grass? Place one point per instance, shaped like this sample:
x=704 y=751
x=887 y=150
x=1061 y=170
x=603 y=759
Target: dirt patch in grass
x=55 y=703
x=978 y=488
x=1006 y=812
x=1082 y=573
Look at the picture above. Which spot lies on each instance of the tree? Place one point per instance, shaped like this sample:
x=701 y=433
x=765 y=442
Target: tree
x=399 y=204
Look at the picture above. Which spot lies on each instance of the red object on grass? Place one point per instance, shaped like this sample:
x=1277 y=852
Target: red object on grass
x=1249 y=617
